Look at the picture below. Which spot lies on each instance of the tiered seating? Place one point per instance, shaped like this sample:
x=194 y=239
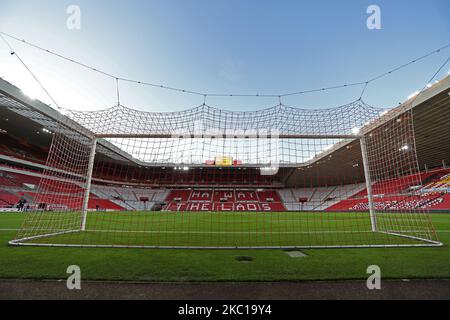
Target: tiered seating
x=396 y=186
x=201 y=196
x=4 y=204
x=301 y=194
x=246 y=196
x=398 y=194
x=8 y=199
x=103 y=204
x=49 y=185
x=130 y=198
x=160 y=195
x=60 y=187
x=179 y=195
x=222 y=196
x=439 y=183
x=441 y=202
x=223 y=200
x=18 y=180
x=229 y=206
x=287 y=197
x=61 y=194
x=55 y=200
x=210 y=177
x=338 y=193
x=317 y=199
x=320 y=196
x=398 y=203
x=59 y=201
x=7 y=182
x=268 y=196
x=19 y=148
x=349 y=205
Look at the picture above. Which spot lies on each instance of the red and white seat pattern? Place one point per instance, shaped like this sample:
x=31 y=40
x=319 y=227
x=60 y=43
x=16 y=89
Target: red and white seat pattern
x=398 y=203
x=224 y=200
x=397 y=194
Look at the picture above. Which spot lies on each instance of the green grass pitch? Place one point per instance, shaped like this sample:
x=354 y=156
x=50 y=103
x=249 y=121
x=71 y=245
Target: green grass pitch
x=224 y=229
x=220 y=265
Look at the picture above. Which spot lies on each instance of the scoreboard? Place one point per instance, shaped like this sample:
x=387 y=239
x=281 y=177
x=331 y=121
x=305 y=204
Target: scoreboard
x=224 y=161
x=221 y=161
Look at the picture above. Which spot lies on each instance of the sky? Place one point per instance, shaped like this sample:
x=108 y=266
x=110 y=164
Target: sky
x=224 y=46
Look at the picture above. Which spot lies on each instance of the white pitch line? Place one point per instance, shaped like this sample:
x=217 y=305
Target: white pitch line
x=235 y=232
x=252 y=232
x=228 y=232
x=216 y=232
x=15 y=229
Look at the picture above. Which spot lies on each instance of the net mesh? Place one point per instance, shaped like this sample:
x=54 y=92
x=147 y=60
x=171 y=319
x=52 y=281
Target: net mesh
x=277 y=178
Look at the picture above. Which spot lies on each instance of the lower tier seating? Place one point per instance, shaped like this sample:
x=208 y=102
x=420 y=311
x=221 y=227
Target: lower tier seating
x=430 y=194
x=430 y=202
x=224 y=200
x=8 y=199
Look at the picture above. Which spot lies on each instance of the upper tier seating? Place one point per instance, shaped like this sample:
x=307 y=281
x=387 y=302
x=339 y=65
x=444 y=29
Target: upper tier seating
x=21 y=149
x=210 y=177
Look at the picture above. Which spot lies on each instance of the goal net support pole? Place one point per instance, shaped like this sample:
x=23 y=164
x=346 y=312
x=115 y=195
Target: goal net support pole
x=87 y=190
x=373 y=219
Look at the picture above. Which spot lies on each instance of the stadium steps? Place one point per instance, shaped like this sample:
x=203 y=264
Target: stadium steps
x=121 y=204
x=324 y=203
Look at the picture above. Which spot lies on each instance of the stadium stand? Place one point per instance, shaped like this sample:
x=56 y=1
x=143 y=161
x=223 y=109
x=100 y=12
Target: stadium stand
x=432 y=194
x=128 y=198
x=436 y=182
x=21 y=149
x=8 y=199
x=219 y=189
x=224 y=200
x=195 y=177
x=312 y=199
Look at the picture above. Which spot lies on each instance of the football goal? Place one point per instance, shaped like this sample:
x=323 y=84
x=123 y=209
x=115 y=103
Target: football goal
x=281 y=177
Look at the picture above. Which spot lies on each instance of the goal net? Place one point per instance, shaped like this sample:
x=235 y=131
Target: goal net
x=208 y=178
